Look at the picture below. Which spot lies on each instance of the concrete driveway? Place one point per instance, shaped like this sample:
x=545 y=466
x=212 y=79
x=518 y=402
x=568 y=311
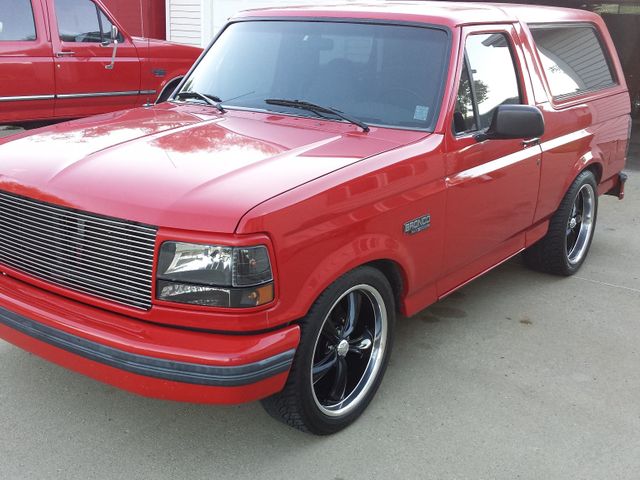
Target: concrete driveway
x=518 y=375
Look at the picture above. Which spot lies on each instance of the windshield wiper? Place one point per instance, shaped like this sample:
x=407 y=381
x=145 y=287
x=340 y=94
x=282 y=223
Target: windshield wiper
x=209 y=99
x=312 y=107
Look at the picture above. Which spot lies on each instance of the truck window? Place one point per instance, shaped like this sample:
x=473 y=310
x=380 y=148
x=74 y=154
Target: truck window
x=81 y=21
x=16 y=21
x=488 y=80
x=465 y=115
x=573 y=59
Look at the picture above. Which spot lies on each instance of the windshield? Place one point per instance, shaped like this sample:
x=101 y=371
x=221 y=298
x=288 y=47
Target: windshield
x=386 y=75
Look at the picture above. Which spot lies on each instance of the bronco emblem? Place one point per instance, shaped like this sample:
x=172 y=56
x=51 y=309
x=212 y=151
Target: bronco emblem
x=418 y=225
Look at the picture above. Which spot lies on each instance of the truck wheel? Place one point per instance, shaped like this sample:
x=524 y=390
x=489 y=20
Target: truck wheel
x=565 y=246
x=344 y=349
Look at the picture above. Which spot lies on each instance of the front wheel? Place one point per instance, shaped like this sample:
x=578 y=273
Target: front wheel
x=344 y=349
x=564 y=248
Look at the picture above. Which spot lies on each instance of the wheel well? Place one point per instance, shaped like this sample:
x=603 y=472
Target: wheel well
x=168 y=88
x=393 y=272
x=596 y=169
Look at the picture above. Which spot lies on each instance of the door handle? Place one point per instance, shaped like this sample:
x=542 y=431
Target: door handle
x=531 y=142
x=67 y=53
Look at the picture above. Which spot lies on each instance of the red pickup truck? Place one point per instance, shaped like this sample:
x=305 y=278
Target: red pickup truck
x=62 y=59
x=255 y=236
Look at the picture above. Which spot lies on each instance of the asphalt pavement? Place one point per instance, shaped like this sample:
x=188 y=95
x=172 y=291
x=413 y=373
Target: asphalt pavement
x=519 y=375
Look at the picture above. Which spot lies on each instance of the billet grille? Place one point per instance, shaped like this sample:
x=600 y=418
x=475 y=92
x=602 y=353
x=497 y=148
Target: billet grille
x=101 y=256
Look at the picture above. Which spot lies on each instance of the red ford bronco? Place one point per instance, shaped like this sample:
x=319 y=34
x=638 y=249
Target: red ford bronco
x=319 y=171
x=62 y=59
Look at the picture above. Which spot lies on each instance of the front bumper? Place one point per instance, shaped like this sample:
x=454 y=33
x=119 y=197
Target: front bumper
x=144 y=358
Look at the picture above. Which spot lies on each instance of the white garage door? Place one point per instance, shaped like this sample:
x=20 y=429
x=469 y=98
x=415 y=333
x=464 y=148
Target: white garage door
x=195 y=22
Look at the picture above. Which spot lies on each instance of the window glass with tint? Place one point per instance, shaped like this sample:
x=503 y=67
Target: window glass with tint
x=388 y=75
x=493 y=75
x=16 y=21
x=465 y=116
x=573 y=59
x=78 y=21
x=106 y=26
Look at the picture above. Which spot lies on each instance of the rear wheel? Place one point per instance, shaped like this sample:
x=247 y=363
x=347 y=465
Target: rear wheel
x=565 y=246
x=344 y=349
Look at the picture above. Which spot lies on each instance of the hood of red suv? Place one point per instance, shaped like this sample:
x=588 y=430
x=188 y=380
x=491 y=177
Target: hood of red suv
x=182 y=166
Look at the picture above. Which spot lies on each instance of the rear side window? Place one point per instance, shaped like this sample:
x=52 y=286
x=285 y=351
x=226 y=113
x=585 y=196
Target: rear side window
x=573 y=59
x=16 y=21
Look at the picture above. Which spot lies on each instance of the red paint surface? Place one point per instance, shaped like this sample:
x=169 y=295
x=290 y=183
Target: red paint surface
x=141 y=18
x=323 y=196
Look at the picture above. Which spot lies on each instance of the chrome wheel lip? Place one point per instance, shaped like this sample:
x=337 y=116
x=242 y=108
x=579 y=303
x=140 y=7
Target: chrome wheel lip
x=378 y=348
x=577 y=251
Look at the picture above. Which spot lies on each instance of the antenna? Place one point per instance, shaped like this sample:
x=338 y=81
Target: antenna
x=142 y=20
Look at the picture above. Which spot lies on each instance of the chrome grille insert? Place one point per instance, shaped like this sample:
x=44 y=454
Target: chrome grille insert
x=105 y=257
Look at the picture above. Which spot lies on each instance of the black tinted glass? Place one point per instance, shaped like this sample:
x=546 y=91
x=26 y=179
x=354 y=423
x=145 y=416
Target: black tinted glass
x=573 y=59
x=16 y=21
x=382 y=74
x=493 y=72
x=78 y=21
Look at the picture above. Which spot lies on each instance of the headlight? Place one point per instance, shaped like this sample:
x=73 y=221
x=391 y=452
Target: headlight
x=213 y=275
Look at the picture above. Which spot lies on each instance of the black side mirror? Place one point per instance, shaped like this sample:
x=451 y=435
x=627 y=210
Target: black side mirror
x=514 y=122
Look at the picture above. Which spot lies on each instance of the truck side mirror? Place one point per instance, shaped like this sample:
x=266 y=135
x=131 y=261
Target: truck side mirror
x=114 y=39
x=514 y=122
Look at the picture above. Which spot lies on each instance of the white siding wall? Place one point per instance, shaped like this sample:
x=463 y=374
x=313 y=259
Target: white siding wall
x=184 y=21
x=196 y=21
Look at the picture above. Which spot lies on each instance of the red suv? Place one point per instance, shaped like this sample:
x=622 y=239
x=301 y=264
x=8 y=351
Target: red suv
x=319 y=171
x=63 y=59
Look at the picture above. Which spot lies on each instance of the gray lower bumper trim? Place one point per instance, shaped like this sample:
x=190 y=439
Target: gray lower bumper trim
x=149 y=366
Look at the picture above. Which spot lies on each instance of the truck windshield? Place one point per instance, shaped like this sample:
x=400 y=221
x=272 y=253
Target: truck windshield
x=380 y=74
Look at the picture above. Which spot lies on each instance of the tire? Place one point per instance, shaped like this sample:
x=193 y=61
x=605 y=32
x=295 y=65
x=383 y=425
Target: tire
x=564 y=248
x=345 y=345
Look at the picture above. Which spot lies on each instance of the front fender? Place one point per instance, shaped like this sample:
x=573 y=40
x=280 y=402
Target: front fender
x=362 y=250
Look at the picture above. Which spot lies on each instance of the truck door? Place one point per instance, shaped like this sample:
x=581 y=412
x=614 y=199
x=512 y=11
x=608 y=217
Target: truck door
x=26 y=65
x=492 y=185
x=86 y=80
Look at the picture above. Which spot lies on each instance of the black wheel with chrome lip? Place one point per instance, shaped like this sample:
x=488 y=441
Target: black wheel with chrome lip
x=565 y=246
x=581 y=223
x=343 y=353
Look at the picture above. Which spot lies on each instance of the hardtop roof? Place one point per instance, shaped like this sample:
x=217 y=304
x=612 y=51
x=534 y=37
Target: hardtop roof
x=451 y=14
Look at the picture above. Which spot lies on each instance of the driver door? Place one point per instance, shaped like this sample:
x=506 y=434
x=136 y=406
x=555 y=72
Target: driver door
x=82 y=52
x=492 y=185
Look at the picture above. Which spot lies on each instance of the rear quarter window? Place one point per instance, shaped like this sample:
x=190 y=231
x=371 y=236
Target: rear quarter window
x=573 y=58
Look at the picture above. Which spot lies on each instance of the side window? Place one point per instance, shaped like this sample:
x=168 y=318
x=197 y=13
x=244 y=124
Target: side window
x=488 y=80
x=573 y=58
x=105 y=27
x=464 y=119
x=16 y=21
x=81 y=21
